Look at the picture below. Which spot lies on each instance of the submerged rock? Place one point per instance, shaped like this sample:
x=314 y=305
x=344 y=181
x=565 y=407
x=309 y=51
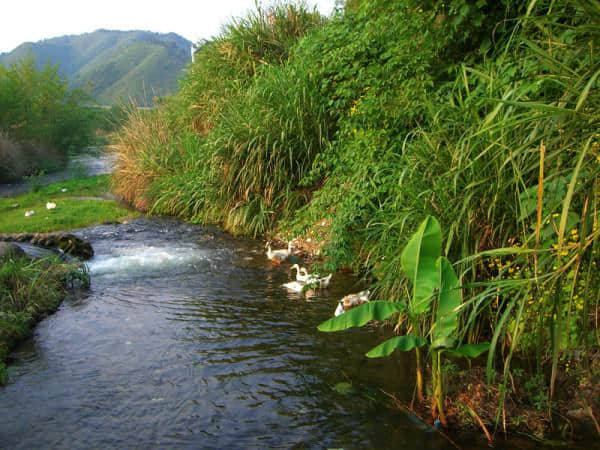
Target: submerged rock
x=66 y=242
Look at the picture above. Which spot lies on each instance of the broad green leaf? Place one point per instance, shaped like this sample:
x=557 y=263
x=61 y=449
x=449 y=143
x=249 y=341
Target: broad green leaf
x=418 y=263
x=357 y=317
x=442 y=343
x=404 y=343
x=446 y=318
x=470 y=350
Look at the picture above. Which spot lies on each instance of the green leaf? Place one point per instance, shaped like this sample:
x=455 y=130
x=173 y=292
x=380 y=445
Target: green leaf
x=446 y=320
x=344 y=388
x=418 y=263
x=442 y=343
x=357 y=317
x=404 y=343
x=586 y=91
x=554 y=192
x=470 y=350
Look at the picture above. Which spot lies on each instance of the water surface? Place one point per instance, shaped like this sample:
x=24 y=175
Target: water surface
x=186 y=339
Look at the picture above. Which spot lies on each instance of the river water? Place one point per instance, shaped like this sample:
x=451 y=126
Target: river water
x=186 y=339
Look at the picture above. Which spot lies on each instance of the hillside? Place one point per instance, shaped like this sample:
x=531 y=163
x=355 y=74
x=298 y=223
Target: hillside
x=113 y=65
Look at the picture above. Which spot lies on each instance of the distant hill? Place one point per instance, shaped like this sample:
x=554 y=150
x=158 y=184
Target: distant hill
x=113 y=65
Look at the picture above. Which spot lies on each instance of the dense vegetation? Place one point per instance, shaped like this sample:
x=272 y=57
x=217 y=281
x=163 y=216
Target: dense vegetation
x=41 y=120
x=482 y=114
x=113 y=66
x=29 y=291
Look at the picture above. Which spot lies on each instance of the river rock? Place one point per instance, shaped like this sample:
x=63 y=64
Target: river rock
x=67 y=242
x=8 y=250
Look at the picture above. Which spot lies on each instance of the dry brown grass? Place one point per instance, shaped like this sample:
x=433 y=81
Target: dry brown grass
x=139 y=146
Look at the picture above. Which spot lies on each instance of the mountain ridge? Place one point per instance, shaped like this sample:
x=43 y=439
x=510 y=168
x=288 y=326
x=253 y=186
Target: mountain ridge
x=112 y=65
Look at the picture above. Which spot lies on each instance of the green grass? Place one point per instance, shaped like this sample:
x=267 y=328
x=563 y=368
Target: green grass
x=84 y=203
x=29 y=291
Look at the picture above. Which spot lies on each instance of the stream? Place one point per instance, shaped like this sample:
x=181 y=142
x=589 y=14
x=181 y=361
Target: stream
x=186 y=339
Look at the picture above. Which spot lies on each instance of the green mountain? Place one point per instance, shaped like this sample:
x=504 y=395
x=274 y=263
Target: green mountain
x=113 y=65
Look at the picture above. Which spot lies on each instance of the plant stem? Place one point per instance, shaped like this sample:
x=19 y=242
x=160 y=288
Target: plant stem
x=419 y=376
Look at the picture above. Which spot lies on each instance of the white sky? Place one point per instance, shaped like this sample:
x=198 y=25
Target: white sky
x=34 y=20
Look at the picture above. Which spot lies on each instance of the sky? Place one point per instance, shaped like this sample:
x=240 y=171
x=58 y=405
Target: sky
x=31 y=21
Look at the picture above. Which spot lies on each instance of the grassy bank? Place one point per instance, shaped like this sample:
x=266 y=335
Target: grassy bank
x=79 y=203
x=32 y=289
x=29 y=291
x=353 y=130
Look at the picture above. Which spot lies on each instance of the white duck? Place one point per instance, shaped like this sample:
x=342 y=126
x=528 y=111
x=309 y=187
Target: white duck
x=310 y=279
x=351 y=301
x=31 y=212
x=294 y=286
x=50 y=205
x=299 y=273
x=278 y=256
x=324 y=282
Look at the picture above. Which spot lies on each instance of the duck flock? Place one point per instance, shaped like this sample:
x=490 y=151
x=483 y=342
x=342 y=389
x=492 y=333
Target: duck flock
x=305 y=281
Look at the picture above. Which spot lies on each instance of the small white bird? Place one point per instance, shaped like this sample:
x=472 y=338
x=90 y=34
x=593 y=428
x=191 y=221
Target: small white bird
x=351 y=301
x=63 y=190
x=50 y=205
x=29 y=213
x=278 y=256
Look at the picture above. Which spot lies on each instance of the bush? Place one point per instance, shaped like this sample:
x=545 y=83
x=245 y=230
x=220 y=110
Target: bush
x=41 y=120
x=18 y=160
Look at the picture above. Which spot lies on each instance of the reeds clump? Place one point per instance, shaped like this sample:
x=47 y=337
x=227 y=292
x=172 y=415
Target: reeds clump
x=225 y=101
x=144 y=151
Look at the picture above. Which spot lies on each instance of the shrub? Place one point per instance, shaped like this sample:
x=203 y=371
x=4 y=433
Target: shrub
x=41 y=120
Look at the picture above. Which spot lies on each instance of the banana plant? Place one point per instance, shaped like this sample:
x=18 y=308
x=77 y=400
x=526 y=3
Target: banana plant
x=432 y=311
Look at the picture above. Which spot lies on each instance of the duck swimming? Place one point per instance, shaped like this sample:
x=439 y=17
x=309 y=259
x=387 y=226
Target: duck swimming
x=294 y=286
x=303 y=276
x=278 y=256
x=352 y=301
x=299 y=273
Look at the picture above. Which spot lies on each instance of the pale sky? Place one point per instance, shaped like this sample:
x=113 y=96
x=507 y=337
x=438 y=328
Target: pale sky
x=31 y=21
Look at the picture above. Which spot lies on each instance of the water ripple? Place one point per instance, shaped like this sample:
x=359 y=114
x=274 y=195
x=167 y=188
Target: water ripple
x=186 y=339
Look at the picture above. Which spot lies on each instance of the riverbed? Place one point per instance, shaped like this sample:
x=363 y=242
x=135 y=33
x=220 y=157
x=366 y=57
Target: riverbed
x=186 y=339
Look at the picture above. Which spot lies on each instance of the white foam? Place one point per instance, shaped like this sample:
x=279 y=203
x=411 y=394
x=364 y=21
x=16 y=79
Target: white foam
x=144 y=259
